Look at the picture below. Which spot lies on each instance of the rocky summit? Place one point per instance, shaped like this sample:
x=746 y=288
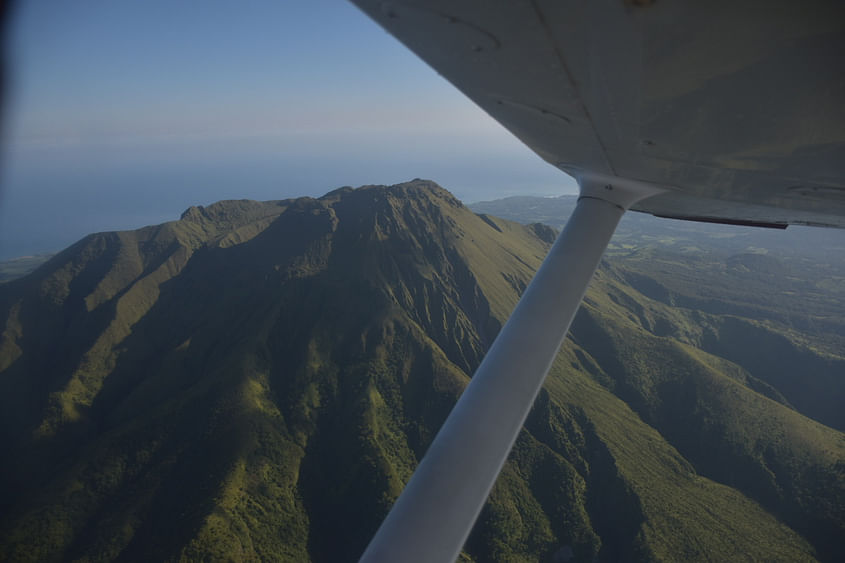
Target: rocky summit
x=258 y=380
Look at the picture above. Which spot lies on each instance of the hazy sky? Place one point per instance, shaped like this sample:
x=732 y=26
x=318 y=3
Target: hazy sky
x=123 y=113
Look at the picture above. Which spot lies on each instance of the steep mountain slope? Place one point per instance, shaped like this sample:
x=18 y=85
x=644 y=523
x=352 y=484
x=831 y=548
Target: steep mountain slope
x=258 y=380
x=779 y=294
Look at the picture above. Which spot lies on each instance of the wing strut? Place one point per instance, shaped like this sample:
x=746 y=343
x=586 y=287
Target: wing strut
x=435 y=513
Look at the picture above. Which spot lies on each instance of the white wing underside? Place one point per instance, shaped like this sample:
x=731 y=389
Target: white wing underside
x=738 y=108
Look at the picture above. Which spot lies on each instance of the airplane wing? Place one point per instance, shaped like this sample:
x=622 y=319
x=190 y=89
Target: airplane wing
x=738 y=108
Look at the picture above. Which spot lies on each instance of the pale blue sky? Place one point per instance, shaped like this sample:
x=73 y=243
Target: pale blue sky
x=123 y=113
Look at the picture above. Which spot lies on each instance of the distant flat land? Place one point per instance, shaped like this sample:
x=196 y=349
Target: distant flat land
x=21 y=266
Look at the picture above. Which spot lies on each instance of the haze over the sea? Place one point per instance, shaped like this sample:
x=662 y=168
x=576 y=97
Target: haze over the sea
x=123 y=114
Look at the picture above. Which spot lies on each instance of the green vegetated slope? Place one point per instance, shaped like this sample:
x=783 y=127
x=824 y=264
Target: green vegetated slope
x=258 y=380
x=779 y=296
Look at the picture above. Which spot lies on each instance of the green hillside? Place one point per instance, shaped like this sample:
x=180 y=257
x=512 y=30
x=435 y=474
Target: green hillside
x=256 y=381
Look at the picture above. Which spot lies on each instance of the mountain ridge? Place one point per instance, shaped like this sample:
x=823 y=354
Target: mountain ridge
x=258 y=380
